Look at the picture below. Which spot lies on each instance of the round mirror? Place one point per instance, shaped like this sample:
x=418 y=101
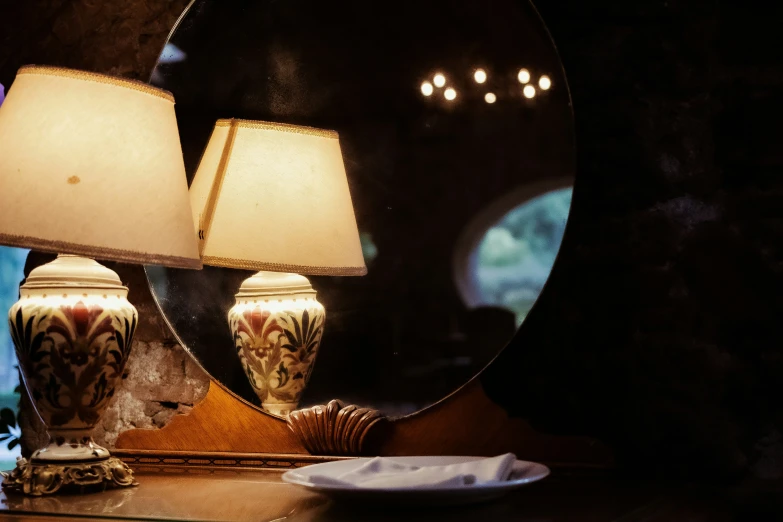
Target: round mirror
x=456 y=130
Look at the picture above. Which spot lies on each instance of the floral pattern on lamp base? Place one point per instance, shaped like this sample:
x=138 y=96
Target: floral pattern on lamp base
x=72 y=344
x=277 y=341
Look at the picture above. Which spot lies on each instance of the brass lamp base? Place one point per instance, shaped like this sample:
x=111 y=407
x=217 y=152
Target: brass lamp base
x=38 y=478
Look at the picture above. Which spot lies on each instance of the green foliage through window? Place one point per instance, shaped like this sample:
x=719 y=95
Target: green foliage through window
x=11 y=274
x=517 y=253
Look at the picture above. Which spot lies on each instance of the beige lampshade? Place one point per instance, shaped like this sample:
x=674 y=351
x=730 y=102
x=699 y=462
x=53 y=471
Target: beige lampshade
x=269 y=196
x=92 y=165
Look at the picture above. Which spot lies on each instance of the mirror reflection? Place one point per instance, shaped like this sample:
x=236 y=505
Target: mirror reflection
x=456 y=133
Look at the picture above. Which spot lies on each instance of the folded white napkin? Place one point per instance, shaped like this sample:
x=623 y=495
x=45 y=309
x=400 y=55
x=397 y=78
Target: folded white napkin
x=383 y=472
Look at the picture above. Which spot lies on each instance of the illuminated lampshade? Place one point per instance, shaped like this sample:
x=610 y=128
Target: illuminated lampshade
x=274 y=197
x=89 y=165
x=286 y=181
x=92 y=165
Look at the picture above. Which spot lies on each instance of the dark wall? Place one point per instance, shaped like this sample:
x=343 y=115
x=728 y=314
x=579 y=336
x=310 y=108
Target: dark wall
x=659 y=331
x=122 y=37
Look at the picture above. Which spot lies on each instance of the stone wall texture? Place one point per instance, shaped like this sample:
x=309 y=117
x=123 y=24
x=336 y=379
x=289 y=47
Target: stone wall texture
x=659 y=331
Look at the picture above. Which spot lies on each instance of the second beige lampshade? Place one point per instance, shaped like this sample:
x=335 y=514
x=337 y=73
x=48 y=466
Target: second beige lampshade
x=275 y=198
x=270 y=196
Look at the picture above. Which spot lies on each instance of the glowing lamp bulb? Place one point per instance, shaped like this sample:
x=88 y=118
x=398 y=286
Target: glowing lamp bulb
x=523 y=76
x=544 y=83
x=426 y=89
x=450 y=94
x=439 y=80
x=529 y=91
x=480 y=76
x=490 y=97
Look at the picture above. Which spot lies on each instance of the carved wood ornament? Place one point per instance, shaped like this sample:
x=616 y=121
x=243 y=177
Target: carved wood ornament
x=334 y=429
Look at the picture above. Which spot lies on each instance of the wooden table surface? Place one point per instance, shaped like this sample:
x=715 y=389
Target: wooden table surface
x=222 y=495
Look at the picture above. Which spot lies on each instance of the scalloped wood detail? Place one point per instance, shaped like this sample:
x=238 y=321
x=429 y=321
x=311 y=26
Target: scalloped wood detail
x=334 y=429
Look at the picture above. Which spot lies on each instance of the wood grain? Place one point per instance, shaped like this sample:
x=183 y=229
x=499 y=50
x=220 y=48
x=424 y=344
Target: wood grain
x=469 y=423
x=466 y=423
x=241 y=496
x=220 y=422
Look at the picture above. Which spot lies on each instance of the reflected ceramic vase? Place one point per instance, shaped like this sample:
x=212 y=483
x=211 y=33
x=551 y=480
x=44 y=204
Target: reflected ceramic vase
x=72 y=328
x=277 y=326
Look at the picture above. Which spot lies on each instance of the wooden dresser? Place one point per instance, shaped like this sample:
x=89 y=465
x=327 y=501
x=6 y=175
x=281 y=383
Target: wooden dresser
x=218 y=494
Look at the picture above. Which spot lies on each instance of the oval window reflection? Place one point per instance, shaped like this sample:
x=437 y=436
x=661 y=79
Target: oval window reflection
x=505 y=261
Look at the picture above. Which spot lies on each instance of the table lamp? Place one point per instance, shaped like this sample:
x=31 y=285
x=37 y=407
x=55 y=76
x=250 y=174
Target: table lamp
x=90 y=165
x=275 y=198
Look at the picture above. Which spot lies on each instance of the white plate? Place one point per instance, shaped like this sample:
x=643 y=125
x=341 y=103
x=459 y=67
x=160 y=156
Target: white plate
x=522 y=473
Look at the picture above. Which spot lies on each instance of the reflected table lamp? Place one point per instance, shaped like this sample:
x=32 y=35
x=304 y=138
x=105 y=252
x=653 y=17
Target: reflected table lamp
x=90 y=167
x=275 y=198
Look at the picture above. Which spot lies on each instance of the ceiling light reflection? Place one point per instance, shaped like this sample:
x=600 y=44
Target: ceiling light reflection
x=523 y=76
x=427 y=89
x=490 y=97
x=439 y=80
x=529 y=91
x=545 y=83
x=450 y=94
x=480 y=75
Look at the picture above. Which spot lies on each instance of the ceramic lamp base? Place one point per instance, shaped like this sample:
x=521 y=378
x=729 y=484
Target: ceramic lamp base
x=44 y=478
x=277 y=325
x=73 y=328
x=281 y=409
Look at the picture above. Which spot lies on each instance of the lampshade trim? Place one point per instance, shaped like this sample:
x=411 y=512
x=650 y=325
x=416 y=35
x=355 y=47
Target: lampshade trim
x=214 y=191
x=97 y=78
x=284 y=127
x=244 y=264
x=109 y=254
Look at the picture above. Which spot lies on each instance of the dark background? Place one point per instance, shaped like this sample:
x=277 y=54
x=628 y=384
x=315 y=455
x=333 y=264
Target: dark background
x=659 y=330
